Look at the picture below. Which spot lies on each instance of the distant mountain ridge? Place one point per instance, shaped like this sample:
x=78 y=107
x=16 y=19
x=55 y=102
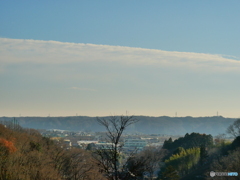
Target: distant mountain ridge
x=147 y=124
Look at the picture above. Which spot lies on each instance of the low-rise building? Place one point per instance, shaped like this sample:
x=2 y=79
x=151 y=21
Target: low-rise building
x=135 y=144
x=104 y=145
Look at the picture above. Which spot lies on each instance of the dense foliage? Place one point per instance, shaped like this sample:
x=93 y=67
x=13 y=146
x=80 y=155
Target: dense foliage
x=189 y=141
x=26 y=155
x=194 y=156
x=190 y=157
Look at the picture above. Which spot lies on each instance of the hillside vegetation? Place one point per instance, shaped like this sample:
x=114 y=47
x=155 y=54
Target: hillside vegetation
x=147 y=125
x=26 y=155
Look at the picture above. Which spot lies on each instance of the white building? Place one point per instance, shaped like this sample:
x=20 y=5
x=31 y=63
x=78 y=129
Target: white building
x=104 y=145
x=134 y=144
x=86 y=142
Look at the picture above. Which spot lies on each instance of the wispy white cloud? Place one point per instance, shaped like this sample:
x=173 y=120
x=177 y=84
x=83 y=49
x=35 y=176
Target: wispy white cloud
x=53 y=52
x=103 y=78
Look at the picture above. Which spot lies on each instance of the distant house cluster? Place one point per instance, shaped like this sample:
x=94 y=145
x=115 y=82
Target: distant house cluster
x=97 y=140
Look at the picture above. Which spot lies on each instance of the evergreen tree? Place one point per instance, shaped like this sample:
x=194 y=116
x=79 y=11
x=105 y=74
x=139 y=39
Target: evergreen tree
x=184 y=160
x=170 y=174
x=189 y=141
x=236 y=143
x=179 y=150
x=203 y=154
x=167 y=144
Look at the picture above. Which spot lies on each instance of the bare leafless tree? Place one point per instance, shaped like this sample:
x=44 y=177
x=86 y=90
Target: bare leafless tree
x=108 y=159
x=234 y=129
x=147 y=161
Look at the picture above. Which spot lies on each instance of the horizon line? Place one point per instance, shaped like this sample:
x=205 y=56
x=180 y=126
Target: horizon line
x=119 y=115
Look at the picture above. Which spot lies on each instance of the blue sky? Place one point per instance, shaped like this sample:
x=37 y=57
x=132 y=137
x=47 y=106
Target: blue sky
x=107 y=57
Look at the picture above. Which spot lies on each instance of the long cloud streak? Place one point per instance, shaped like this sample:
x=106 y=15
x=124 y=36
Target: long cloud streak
x=53 y=52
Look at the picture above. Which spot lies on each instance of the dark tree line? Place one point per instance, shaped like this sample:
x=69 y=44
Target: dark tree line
x=195 y=155
x=189 y=141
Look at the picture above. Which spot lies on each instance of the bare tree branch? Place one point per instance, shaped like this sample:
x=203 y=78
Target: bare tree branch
x=109 y=159
x=234 y=129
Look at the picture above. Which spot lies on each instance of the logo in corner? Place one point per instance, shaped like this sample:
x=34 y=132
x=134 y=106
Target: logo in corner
x=212 y=173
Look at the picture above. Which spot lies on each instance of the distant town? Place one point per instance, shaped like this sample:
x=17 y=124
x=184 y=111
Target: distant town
x=85 y=140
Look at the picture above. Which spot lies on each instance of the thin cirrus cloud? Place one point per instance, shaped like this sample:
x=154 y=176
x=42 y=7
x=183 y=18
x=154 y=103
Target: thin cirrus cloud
x=104 y=78
x=53 y=52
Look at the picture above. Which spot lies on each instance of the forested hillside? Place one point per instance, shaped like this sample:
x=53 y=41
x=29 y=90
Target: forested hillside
x=195 y=155
x=148 y=125
x=26 y=155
